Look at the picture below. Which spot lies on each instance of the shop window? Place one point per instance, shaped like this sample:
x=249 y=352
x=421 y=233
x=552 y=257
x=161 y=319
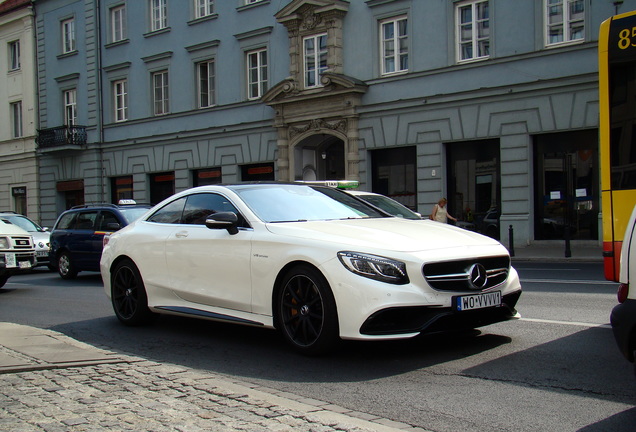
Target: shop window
x=566 y=186
x=207 y=176
x=121 y=188
x=258 y=172
x=474 y=184
x=161 y=186
x=394 y=174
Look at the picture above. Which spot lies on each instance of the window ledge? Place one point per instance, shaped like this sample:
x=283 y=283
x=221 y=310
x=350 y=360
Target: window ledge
x=564 y=44
x=157 y=32
x=252 y=5
x=203 y=19
x=68 y=54
x=117 y=43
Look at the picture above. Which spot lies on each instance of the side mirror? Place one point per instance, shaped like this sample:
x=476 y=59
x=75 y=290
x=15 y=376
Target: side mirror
x=113 y=226
x=223 y=220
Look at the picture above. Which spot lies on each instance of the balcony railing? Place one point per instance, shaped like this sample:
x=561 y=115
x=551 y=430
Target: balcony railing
x=62 y=136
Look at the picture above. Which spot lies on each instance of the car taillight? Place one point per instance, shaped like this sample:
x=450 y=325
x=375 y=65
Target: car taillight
x=105 y=241
x=623 y=291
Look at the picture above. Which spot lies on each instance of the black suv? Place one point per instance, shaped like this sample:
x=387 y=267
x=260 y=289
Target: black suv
x=77 y=237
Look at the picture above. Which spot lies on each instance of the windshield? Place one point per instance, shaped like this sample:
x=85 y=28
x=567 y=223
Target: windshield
x=390 y=206
x=133 y=213
x=24 y=223
x=292 y=203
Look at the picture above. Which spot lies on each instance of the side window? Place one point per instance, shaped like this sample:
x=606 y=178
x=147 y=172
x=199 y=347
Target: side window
x=170 y=213
x=86 y=221
x=106 y=222
x=200 y=206
x=67 y=221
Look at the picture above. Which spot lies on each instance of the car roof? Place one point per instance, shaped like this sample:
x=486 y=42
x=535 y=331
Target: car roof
x=104 y=206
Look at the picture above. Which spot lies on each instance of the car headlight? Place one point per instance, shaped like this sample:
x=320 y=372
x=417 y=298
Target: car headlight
x=4 y=243
x=375 y=267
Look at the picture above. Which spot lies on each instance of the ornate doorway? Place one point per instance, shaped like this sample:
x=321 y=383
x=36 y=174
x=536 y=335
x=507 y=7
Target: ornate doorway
x=319 y=157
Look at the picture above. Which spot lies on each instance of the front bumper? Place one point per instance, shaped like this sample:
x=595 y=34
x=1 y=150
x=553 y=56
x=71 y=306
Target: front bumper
x=15 y=263
x=623 y=319
x=424 y=319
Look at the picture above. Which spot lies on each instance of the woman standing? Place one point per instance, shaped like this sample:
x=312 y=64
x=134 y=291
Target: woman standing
x=440 y=213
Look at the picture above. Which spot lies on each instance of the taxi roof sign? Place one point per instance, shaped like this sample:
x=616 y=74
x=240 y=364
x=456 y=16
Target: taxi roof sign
x=339 y=184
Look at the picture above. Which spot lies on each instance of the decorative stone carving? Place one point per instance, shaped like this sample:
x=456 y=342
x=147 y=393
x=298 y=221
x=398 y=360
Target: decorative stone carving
x=310 y=19
x=318 y=124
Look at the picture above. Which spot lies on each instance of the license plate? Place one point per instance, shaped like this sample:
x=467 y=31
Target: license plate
x=25 y=264
x=10 y=261
x=478 y=301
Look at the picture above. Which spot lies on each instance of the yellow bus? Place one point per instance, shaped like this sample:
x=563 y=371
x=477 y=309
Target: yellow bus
x=617 y=134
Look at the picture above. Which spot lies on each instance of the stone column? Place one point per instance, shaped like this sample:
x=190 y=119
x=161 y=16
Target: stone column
x=283 y=155
x=351 y=152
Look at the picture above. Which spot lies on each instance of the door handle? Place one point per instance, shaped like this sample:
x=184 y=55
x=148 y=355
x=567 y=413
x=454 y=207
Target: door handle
x=181 y=234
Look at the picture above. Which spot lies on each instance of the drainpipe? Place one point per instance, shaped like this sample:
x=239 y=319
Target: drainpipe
x=100 y=101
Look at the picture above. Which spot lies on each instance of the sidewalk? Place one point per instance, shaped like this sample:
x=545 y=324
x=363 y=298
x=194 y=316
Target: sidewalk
x=554 y=251
x=52 y=383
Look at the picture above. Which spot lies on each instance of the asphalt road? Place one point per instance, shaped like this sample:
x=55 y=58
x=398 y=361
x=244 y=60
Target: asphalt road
x=557 y=368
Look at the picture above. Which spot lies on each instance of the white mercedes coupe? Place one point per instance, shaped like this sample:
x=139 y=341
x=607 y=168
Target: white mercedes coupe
x=313 y=262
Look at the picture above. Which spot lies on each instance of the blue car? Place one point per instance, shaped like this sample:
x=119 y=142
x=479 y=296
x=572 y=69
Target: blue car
x=77 y=237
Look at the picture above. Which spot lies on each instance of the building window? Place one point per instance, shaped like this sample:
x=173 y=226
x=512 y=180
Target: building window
x=395 y=54
x=70 y=107
x=205 y=71
x=120 y=90
x=14 y=55
x=256 y=73
x=315 y=54
x=258 y=172
x=161 y=186
x=203 y=8
x=473 y=30
x=16 y=120
x=394 y=174
x=565 y=21
x=207 y=176
x=118 y=23
x=160 y=93
x=68 y=36
x=158 y=15
x=121 y=188
x=19 y=194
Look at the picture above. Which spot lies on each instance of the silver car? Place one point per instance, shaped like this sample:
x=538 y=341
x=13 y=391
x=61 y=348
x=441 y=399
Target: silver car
x=40 y=235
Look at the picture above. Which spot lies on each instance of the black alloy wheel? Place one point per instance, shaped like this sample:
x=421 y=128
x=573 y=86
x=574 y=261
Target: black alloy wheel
x=65 y=266
x=307 y=313
x=128 y=295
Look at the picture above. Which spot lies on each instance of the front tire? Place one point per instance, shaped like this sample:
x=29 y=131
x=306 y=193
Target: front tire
x=306 y=311
x=128 y=294
x=65 y=266
x=3 y=280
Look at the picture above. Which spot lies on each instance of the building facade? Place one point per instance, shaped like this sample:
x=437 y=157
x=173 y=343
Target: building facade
x=491 y=103
x=19 y=186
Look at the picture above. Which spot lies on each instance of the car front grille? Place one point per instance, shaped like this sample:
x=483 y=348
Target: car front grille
x=474 y=274
x=21 y=242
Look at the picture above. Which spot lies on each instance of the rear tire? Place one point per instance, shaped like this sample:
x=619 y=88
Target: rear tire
x=128 y=294
x=306 y=311
x=65 y=266
x=3 y=280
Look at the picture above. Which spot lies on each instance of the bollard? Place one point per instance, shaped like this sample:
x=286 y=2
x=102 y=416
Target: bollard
x=511 y=241
x=566 y=234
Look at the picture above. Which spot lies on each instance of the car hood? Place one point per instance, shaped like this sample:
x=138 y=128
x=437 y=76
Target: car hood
x=38 y=236
x=392 y=234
